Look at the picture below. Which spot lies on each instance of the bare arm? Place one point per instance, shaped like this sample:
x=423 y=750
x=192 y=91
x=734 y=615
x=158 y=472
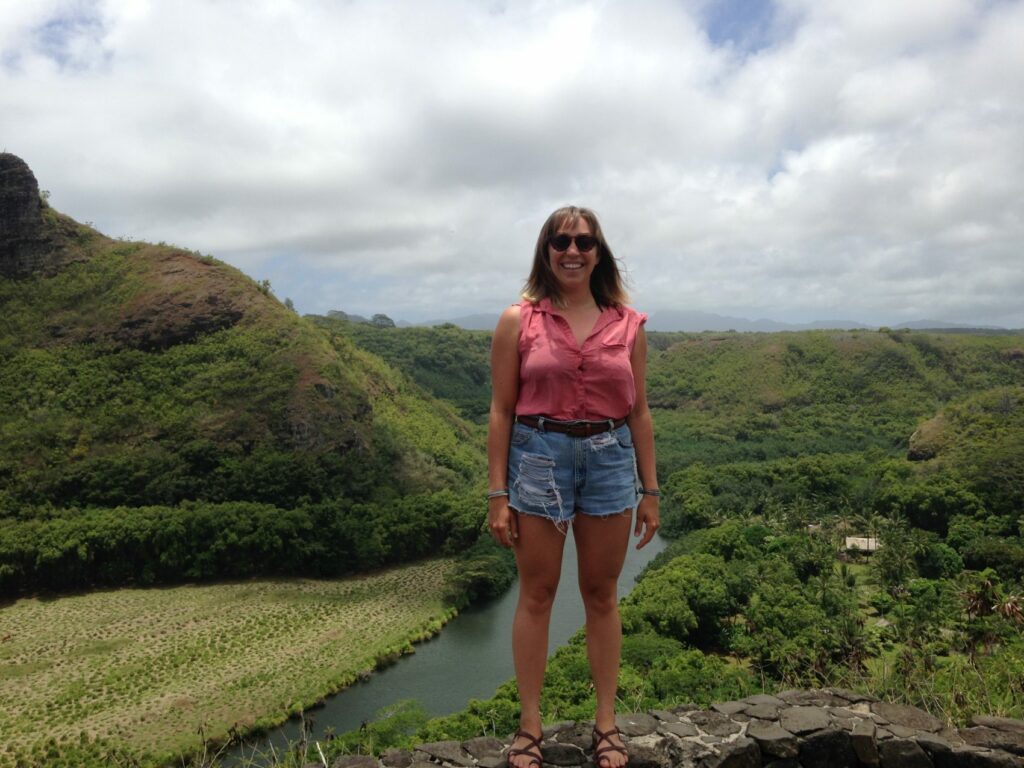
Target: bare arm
x=640 y=425
x=504 y=393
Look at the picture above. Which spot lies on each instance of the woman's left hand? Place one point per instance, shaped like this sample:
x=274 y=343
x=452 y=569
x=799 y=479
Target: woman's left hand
x=647 y=520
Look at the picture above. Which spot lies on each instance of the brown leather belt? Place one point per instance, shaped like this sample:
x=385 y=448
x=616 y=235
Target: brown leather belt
x=571 y=428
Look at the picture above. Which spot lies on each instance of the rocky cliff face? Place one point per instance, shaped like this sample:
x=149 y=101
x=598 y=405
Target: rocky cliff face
x=180 y=297
x=30 y=241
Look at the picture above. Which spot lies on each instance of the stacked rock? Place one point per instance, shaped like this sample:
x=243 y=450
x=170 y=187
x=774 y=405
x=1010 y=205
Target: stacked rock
x=826 y=728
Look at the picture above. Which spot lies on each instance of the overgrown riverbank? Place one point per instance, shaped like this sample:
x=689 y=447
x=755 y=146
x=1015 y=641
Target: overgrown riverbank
x=137 y=675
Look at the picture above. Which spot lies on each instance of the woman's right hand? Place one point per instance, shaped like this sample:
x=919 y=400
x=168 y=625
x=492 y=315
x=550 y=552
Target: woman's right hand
x=502 y=521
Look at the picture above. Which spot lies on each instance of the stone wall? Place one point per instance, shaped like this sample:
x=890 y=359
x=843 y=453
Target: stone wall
x=830 y=728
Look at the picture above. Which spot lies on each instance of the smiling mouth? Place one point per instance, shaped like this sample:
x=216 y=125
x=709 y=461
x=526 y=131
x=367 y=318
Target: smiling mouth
x=571 y=265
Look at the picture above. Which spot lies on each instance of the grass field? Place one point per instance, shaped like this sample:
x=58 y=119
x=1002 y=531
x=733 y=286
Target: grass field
x=143 y=669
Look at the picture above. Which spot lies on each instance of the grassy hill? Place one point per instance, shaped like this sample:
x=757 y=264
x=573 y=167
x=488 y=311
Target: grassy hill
x=726 y=397
x=158 y=406
x=723 y=397
x=451 y=363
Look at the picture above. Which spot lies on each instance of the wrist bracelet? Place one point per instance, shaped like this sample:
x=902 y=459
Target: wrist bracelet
x=650 y=491
x=496 y=494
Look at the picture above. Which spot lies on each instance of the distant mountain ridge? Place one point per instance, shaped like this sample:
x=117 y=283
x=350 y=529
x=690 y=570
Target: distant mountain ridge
x=695 y=321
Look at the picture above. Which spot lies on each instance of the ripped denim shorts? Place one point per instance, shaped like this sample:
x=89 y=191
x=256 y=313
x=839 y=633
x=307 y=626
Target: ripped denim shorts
x=555 y=475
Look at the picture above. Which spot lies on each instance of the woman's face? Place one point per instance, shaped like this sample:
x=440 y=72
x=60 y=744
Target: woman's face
x=572 y=266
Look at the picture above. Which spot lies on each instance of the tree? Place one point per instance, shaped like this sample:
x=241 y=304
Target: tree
x=896 y=558
x=687 y=599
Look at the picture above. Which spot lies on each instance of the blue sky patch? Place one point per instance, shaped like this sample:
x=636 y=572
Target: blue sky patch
x=748 y=25
x=54 y=38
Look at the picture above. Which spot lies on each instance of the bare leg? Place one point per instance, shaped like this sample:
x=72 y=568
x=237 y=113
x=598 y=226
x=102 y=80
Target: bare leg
x=538 y=553
x=601 y=550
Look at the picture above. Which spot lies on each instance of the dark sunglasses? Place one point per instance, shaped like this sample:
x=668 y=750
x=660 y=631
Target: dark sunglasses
x=583 y=242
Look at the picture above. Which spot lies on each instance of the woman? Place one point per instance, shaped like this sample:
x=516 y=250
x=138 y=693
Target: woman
x=570 y=444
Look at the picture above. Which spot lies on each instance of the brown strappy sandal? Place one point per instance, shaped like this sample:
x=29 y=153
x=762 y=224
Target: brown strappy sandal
x=600 y=754
x=533 y=751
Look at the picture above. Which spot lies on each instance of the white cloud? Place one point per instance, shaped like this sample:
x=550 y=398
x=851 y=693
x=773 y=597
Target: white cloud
x=861 y=159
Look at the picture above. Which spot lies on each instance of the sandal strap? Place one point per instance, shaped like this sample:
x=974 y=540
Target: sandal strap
x=600 y=736
x=533 y=750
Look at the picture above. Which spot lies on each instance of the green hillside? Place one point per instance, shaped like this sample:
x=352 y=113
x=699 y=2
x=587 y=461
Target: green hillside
x=724 y=397
x=164 y=417
x=451 y=363
x=728 y=397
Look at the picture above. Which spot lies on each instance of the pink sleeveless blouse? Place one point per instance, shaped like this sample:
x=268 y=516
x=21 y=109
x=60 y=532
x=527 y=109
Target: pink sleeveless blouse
x=562 y=380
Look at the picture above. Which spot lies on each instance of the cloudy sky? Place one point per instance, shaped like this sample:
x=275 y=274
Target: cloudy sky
x=792 y=159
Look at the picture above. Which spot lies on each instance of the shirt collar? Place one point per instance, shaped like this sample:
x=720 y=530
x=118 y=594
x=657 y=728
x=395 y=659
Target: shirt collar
x=545 y=305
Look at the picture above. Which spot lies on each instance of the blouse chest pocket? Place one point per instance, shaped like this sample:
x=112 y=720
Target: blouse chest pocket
x=612 y=350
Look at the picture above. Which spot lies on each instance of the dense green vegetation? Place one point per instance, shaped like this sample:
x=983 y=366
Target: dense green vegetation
x=733 y=397
x=143 y=440
x=198 y=541
x=451 y=363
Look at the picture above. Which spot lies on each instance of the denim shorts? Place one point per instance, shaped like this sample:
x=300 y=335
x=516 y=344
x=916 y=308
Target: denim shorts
x=555 y=475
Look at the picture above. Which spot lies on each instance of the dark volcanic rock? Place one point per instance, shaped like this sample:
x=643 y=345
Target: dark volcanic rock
x=688 y=753
x=578 y=734
x=20 y=209
x=450 y=752
x=636 y=724
x=762 y=711
x=801 y=720
x=714 y=723
x=982 y=736
x=30 y=242
x=908 y=717
x=852 y=696
x=933 y=744
x=665 y=716
x=764 y=698
x=396 y=758
x=999 y=723
x=813 y=698
x=648 y=757
x=483 y=746
x=828 y=749
x=962 y=758
x=773 y=739
x=864 y=744
x=21 y=221
x=562 y=754
x=678 y=729
x=899 y=753
x=841 y=734
x=742 y=753
x=730 y=707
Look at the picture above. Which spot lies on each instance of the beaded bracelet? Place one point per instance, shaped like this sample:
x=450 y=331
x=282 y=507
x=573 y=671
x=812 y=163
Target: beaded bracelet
x=650 y=491
x=496 y=494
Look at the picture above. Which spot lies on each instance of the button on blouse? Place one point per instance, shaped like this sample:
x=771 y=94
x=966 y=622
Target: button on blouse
x=561 y=379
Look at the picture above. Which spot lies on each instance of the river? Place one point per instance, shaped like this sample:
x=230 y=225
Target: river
x=469 y=659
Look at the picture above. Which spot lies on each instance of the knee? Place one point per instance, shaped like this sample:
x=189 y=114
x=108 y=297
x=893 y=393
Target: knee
x=600 y=598
x=537 y=598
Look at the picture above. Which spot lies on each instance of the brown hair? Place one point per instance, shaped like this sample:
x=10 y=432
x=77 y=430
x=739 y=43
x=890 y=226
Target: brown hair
x=606 y=282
